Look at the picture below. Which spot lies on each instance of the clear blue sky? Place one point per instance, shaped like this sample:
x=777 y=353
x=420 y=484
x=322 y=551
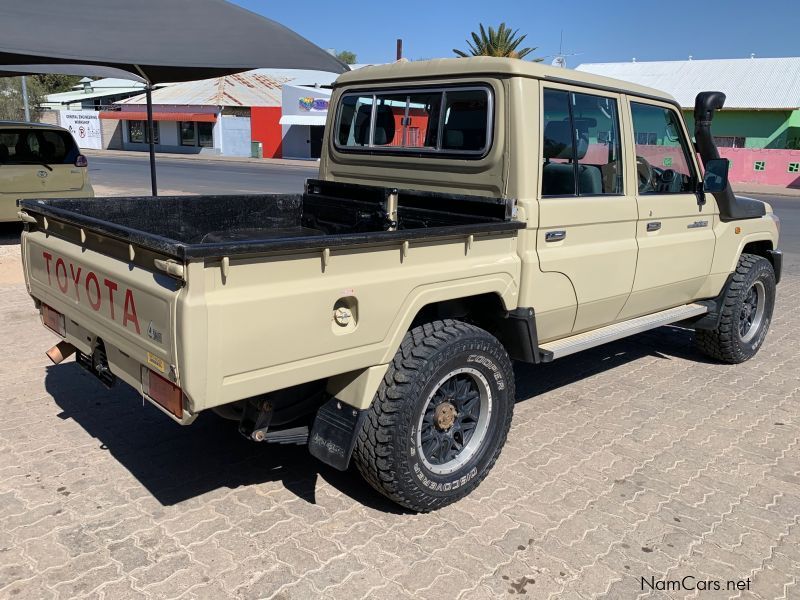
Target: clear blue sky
x=600 y=30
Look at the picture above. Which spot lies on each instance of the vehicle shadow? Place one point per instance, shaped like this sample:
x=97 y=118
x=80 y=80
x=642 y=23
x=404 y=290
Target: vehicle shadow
x=10 y=233
x=176 y=463
x=665 y=343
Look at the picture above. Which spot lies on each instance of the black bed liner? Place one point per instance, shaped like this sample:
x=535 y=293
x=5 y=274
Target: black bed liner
x=328 y=215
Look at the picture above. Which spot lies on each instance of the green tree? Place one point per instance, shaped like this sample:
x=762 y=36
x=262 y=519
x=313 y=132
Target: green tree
x=502 y=41
x=12 y=107
x=53 y=83
x=347 y=57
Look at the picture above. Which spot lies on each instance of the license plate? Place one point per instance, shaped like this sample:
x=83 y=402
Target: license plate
x=53 y=320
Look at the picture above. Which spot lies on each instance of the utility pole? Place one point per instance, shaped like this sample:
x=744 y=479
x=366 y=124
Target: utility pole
x=399 y=48
x=25 y=98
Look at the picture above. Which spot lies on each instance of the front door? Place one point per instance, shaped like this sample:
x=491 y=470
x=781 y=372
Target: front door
x=587 y=217
x=675 y=232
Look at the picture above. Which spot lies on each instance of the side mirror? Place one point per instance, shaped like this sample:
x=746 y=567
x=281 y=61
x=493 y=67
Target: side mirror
x=716 y=175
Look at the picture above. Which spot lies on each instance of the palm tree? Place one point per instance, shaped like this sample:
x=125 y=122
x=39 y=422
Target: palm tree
x=497 y=42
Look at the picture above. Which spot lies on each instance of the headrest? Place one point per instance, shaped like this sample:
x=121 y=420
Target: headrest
x=361 y=128
x=558 y=141
x=384 y=125
x=3 y=153
x=453 y=138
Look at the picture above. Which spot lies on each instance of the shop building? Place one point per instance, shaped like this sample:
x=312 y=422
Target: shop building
x=223 y=115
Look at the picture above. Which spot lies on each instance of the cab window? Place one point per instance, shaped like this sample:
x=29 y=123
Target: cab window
x=662 y=157
x=581 y=148
x=425 y=121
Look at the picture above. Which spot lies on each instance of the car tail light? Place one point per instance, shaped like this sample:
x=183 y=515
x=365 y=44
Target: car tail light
x=81 y=161
x=54 y=320
x=166 y=393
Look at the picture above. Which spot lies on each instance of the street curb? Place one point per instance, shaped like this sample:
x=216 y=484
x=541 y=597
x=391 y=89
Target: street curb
x=766 y=190
x=306 y=164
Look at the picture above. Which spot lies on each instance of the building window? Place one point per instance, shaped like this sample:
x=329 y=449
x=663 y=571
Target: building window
x=205 y=135
x=196 y=134
x=794 y=167
x=729 y=141
x=188 y=133
x=137 y=132
x=760 y=165
x=646 y=138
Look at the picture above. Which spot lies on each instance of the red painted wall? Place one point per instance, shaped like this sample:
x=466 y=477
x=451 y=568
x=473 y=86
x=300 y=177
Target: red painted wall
x=265 y=128
x=776 y=166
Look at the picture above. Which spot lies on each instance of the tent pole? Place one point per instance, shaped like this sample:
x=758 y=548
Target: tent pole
x=151 y=138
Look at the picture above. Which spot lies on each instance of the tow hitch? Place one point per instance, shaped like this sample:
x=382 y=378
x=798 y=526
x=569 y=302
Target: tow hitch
x=97 y=364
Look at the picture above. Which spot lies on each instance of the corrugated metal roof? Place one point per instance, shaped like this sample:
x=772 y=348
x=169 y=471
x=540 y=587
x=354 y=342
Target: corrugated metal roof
x=755 y=83
x=261 y=87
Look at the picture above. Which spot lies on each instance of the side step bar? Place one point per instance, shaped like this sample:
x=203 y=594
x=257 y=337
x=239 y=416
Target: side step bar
x=597 y=337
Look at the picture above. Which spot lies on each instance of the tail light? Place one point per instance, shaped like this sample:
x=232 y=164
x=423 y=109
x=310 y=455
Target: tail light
x=166 y=393
x=81 y=161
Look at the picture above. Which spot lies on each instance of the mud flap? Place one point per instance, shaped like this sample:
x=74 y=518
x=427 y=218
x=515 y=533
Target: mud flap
x=333 y=436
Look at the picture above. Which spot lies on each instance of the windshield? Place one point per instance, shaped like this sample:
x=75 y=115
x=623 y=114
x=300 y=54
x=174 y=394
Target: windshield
x=37 y=146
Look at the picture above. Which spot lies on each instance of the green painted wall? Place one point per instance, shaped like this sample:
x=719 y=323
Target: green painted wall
x=775 y=129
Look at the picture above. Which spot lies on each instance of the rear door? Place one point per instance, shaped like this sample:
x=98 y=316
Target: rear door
x=38 y=160
x=587 y=217
x=675 y=232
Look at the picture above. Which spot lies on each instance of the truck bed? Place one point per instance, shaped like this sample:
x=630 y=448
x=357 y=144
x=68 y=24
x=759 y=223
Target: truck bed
x=327 y=215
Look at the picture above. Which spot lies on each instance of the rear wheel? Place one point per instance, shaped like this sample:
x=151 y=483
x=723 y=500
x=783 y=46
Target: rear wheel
x=746 y=313
x=440 y=417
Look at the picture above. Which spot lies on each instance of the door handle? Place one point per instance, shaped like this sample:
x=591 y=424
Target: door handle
x=654 y=226
x=555 y=236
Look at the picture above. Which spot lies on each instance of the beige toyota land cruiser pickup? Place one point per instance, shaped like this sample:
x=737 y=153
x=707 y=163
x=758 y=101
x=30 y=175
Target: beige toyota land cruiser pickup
x=467 y=212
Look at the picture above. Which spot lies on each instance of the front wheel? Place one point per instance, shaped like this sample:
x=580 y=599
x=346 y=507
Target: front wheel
x=746 y=313
x=440 y=417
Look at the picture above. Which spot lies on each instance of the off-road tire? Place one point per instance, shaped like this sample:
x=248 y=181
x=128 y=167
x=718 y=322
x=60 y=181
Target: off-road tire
x=725 y=343
x=386 y=451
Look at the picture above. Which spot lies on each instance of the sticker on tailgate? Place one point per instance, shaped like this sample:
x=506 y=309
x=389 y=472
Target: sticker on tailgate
x=86 y=287
x=156 y=362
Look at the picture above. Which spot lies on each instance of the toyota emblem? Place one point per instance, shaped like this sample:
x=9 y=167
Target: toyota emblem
x=42 y=174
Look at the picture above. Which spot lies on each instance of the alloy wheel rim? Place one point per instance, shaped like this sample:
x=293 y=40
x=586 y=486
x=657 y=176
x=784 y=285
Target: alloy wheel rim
x=751 y=313
x=454 y=420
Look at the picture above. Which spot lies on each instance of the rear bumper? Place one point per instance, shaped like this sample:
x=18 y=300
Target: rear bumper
x=122 y=366
x=8 y=201
x=776 y=258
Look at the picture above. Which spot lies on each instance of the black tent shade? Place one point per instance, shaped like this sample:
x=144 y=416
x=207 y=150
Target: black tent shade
x=154 y=41
x=160 y=40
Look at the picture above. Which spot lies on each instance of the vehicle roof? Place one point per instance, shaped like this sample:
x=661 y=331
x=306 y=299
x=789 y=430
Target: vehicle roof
x=28 y=125
x=491 y=66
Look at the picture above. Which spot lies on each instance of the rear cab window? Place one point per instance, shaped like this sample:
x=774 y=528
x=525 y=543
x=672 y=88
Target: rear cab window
x=36 y=146
x=439 y=121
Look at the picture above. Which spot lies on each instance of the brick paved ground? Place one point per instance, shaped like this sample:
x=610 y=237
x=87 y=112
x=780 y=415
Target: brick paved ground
x=635 y=460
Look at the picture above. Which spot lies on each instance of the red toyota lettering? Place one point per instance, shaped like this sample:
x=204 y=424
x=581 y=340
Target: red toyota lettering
x=112 y=287
x=60 y=266
x=76 y=277
x=92 y=277
x=47 y=258
x=130 y=311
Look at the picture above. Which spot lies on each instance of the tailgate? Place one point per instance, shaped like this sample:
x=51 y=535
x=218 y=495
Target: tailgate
x=130 y=308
